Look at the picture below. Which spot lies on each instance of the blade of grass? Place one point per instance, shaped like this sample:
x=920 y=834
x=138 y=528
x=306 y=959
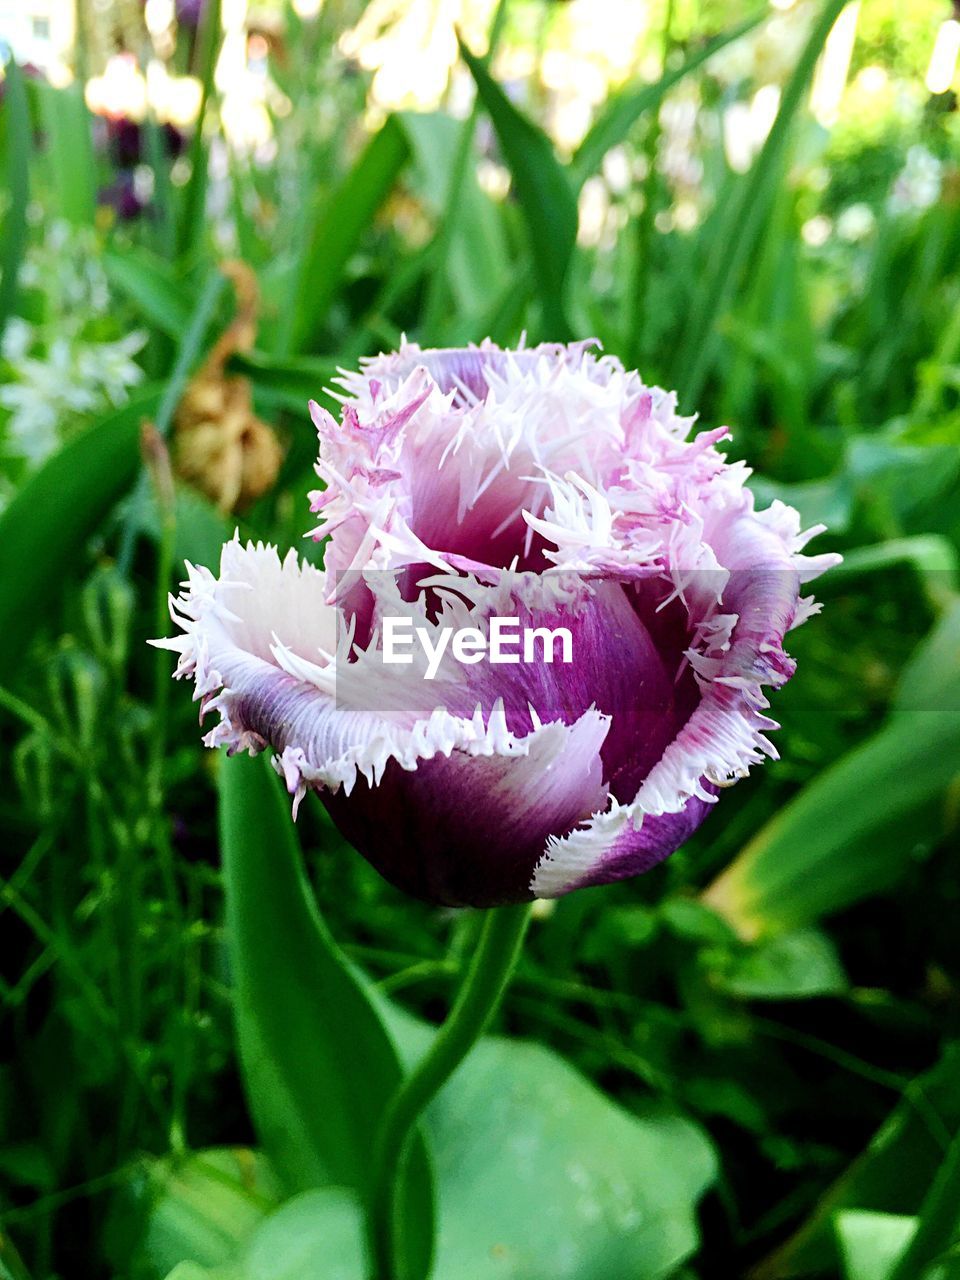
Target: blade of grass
x=625 y=108
x=18 y=184
x=192 y=220
x=165 y=215
x=741 y=221
x=545 y=192
x=337 y=231
x=187 y=358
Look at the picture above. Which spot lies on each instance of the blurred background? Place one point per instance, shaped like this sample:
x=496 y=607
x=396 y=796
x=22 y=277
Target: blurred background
x=209 y=207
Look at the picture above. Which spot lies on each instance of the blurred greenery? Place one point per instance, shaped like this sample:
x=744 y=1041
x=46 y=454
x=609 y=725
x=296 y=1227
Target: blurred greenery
x=744 y=1063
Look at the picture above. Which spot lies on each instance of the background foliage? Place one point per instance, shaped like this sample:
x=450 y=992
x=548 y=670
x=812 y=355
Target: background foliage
x=745 y=1062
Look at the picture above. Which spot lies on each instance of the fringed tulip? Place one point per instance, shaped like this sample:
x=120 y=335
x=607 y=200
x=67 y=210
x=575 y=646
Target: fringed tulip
x=548 y=486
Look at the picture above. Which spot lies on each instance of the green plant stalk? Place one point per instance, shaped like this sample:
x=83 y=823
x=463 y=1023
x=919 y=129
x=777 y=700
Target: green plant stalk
x=477 y=1001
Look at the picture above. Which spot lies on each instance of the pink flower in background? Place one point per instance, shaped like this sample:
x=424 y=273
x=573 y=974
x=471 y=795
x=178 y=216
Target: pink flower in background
x=551 y=486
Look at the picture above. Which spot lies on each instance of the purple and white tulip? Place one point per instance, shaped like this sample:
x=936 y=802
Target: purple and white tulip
x=548 y=485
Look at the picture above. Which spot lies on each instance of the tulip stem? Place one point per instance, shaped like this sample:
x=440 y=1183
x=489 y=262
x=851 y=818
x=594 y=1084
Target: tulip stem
x=477 y=1001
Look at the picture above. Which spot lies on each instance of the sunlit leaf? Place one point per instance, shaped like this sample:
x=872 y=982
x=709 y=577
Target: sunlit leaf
x=850 y=832
x=871 y=1243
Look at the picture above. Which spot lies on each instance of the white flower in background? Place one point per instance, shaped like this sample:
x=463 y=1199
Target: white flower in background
x=58 y=368
x=917 y=186
x=70 y=378
x=856 y=222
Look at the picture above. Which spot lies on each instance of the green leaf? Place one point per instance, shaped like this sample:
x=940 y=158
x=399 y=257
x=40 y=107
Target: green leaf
x=931 y=679
x=316 y=1236
x=870 y=1243
x=622 y=110
x=152 y=286
x=933 y=557
x=66 y=123
x=539 y=1174
x=318 y=1062
x=17 y=112
x=544 y=190
x=203 y=1207
x=789 y=966
x=850 y=832
x=44 y=530
x=337 y=231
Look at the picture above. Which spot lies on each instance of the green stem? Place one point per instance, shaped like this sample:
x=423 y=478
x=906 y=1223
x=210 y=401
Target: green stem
x=477 y=1000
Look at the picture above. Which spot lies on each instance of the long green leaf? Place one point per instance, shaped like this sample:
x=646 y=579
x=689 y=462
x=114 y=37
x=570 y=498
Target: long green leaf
x=18 y=182
x=544 y=190
x=742 y=220
x=318 y=1062
x=337 y=232
x=850 y=832
x=622 y=110
x=66 y=122
x=45 y=528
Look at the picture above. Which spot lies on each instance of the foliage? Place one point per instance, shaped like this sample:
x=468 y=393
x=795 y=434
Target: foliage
x=742 y=1063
